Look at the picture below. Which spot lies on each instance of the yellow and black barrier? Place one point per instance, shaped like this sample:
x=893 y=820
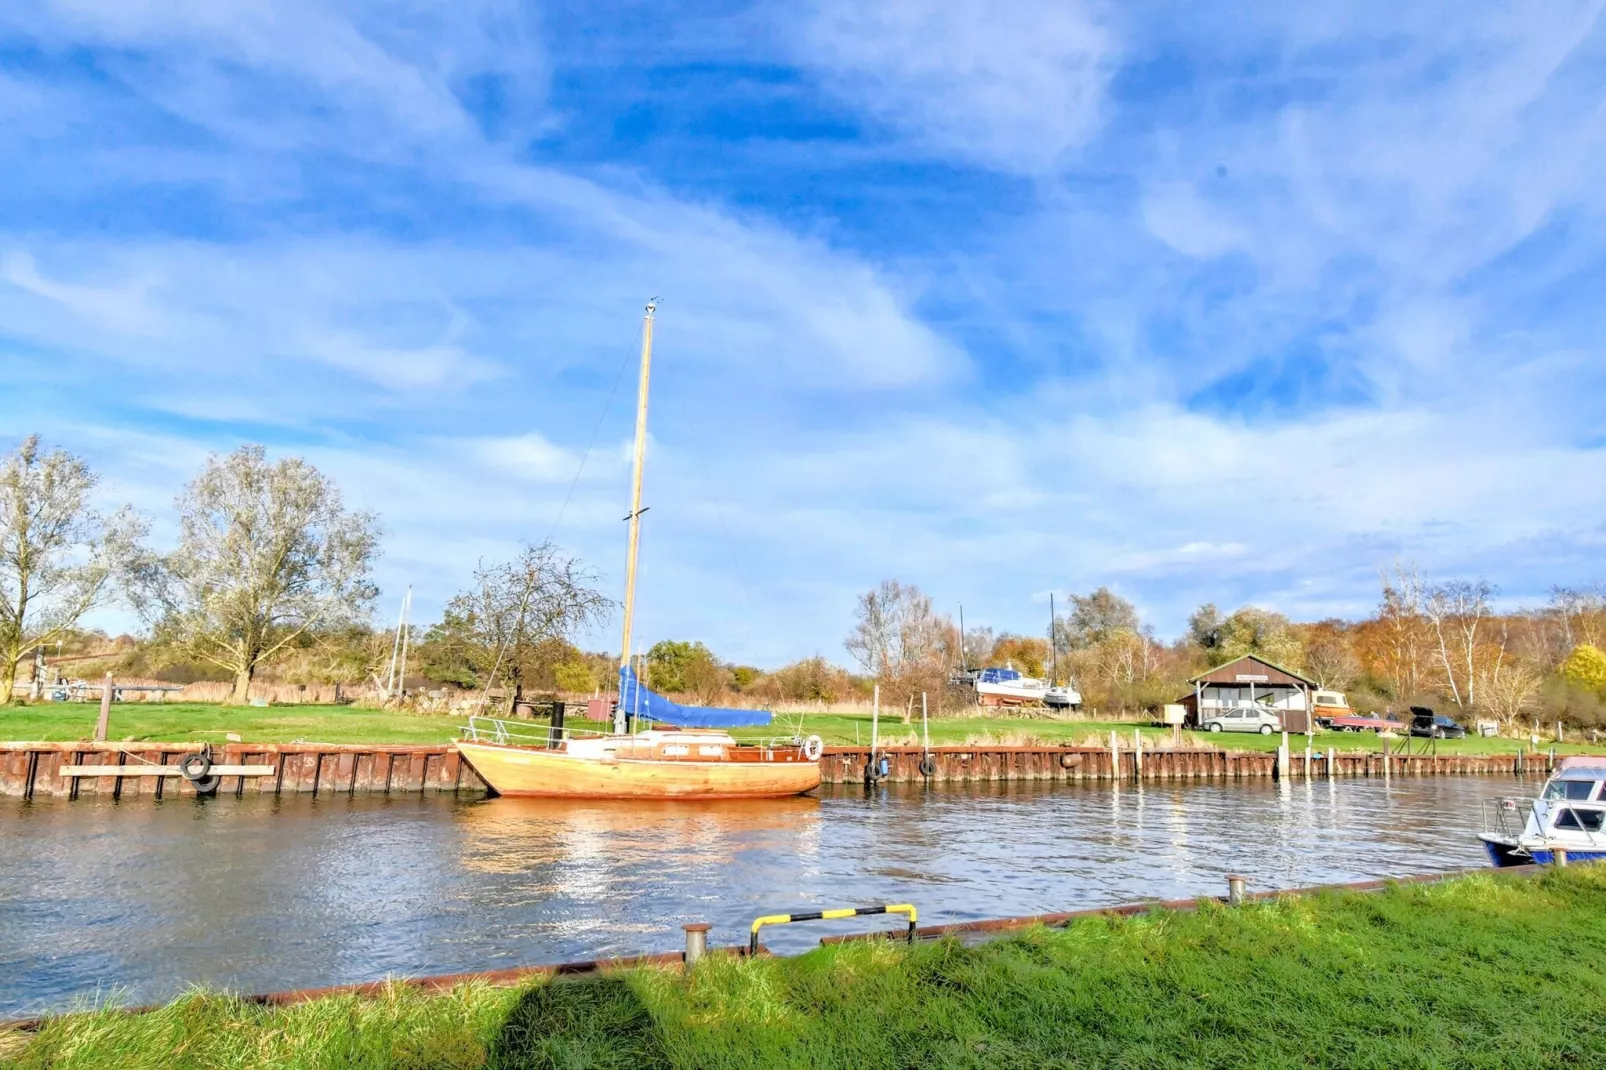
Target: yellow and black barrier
x=830 y=915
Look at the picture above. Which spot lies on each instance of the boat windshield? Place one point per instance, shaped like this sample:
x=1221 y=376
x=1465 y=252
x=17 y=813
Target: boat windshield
x=1570 y=789
x=999 y=676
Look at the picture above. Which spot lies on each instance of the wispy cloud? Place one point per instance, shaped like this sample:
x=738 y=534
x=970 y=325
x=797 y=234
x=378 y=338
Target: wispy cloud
x=1287 y=293
x=1010 y=86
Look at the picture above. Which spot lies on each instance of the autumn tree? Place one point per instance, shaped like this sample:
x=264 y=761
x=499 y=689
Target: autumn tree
x=1027 y=653
x=1395 y=646
x=1585 y=667
x=1112 y=655
x=810 y=680
x=1329 y=654
x=1250 y=630
x=60 y=558
x=267 y=554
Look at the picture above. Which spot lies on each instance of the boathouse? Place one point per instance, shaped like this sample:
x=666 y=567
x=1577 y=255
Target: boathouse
x=1251 y=681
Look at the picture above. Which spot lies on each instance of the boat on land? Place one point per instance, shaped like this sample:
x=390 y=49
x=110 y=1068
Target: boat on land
x=1009 y=687
x=659 y=748
x=1569 y=815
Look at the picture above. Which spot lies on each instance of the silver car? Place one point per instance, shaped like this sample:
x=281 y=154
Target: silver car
x=1245 y=720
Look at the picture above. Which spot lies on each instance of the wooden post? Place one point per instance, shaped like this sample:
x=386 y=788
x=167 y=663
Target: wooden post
x=1137 y=754
x=1282 y=756
x=104 y=724
x=1115 y=756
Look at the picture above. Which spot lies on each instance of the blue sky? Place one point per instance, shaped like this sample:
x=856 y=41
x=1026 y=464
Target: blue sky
x=1201 y=302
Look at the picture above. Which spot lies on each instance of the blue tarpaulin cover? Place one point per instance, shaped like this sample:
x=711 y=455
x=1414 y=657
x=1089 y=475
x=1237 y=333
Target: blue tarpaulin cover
x=637 y=701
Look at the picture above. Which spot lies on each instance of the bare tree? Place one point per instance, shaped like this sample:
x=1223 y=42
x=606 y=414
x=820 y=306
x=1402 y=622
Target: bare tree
x=899 y=640
x=521 y=614
x=1580 y=615
x=1456 y=609
x=267 y=553
x=1508 y=690
x=59 y=557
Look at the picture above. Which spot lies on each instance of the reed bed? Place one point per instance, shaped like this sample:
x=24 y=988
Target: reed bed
x=1482 y=971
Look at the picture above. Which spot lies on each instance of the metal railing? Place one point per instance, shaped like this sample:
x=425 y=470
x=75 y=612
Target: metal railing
x=1507 y=817
x=496 y=730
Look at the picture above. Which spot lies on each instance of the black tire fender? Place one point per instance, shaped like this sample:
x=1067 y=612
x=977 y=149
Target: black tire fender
x=928 y=766
x=207 y=785
x=195 y=767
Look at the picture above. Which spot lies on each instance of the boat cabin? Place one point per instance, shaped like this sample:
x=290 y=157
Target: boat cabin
x=1250 y=682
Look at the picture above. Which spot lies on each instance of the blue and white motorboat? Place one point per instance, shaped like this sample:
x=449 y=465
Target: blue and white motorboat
x=1569 y=815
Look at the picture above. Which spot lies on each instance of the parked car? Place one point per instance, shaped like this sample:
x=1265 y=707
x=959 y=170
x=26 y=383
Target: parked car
x=1430 y=725
x=1244 y=720
x=1366 y=722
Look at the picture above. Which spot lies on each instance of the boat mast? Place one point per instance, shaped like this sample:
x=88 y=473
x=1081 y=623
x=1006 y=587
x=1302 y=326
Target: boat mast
x=635 y=502
x=1053 y=645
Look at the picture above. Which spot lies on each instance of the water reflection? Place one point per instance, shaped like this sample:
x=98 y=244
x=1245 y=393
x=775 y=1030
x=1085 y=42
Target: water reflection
x=268 y=893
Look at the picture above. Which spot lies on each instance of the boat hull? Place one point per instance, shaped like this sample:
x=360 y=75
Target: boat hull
x=533 y=772
x=1504 y=853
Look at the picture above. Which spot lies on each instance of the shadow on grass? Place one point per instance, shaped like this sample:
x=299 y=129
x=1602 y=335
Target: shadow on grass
x=597 y=1023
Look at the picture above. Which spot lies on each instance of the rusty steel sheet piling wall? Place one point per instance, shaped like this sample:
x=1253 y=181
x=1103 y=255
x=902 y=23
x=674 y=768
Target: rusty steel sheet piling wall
x=34 y=769
x=972 y=763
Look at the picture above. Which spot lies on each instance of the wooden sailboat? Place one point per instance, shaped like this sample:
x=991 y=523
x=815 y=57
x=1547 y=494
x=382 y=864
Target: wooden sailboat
x=696 y=759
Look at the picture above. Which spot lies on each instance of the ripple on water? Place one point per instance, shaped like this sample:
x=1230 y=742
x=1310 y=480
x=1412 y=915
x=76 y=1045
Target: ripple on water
x=146 y=897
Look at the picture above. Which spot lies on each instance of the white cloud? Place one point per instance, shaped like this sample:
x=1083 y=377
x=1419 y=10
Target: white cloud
x=1176 y=214
x=1011 y=86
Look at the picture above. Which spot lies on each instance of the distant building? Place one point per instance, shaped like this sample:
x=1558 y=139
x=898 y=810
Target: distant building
x=1251 y=681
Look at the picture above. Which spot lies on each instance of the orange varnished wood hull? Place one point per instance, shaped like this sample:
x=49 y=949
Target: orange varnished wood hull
x=531 y=771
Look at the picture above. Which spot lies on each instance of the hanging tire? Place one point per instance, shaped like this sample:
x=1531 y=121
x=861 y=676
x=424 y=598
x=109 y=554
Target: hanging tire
x=207 y=785
x=813 y=747
x=928 y=766
x=194 y=767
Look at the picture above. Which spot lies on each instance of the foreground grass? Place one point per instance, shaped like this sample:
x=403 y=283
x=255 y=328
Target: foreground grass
x=1477 y=972
x=204 y=722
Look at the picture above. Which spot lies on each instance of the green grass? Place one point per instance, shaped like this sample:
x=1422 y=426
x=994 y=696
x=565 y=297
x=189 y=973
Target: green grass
x=204 y=722
x=211 y=723
x=1482 y=971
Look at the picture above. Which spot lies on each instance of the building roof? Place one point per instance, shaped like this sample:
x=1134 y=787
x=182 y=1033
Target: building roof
x=1263 y=672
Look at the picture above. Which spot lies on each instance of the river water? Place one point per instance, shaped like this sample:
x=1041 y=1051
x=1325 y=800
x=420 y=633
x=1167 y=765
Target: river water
x=139 y=899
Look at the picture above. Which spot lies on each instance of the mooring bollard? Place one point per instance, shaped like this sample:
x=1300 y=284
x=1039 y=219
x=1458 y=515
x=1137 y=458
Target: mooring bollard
x=696 y=941
x=1235 y=889
x=1559 y=855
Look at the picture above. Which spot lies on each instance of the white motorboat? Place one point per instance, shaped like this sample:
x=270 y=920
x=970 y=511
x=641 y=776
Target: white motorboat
x=1008 y=687
x=1569 y=815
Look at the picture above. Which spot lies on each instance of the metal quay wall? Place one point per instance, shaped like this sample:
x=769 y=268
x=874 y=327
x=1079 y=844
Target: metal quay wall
x=982 y=763
x=33 y=770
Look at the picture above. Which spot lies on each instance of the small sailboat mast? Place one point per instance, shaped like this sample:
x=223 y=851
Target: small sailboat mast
x=635 y=501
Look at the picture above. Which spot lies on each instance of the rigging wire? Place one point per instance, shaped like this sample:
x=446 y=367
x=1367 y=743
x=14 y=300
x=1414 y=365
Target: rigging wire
x=607 y=407
x=730 y=544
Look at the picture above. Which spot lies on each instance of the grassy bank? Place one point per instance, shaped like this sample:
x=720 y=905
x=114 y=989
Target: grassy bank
x=1477 y=972
x=205 y=722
